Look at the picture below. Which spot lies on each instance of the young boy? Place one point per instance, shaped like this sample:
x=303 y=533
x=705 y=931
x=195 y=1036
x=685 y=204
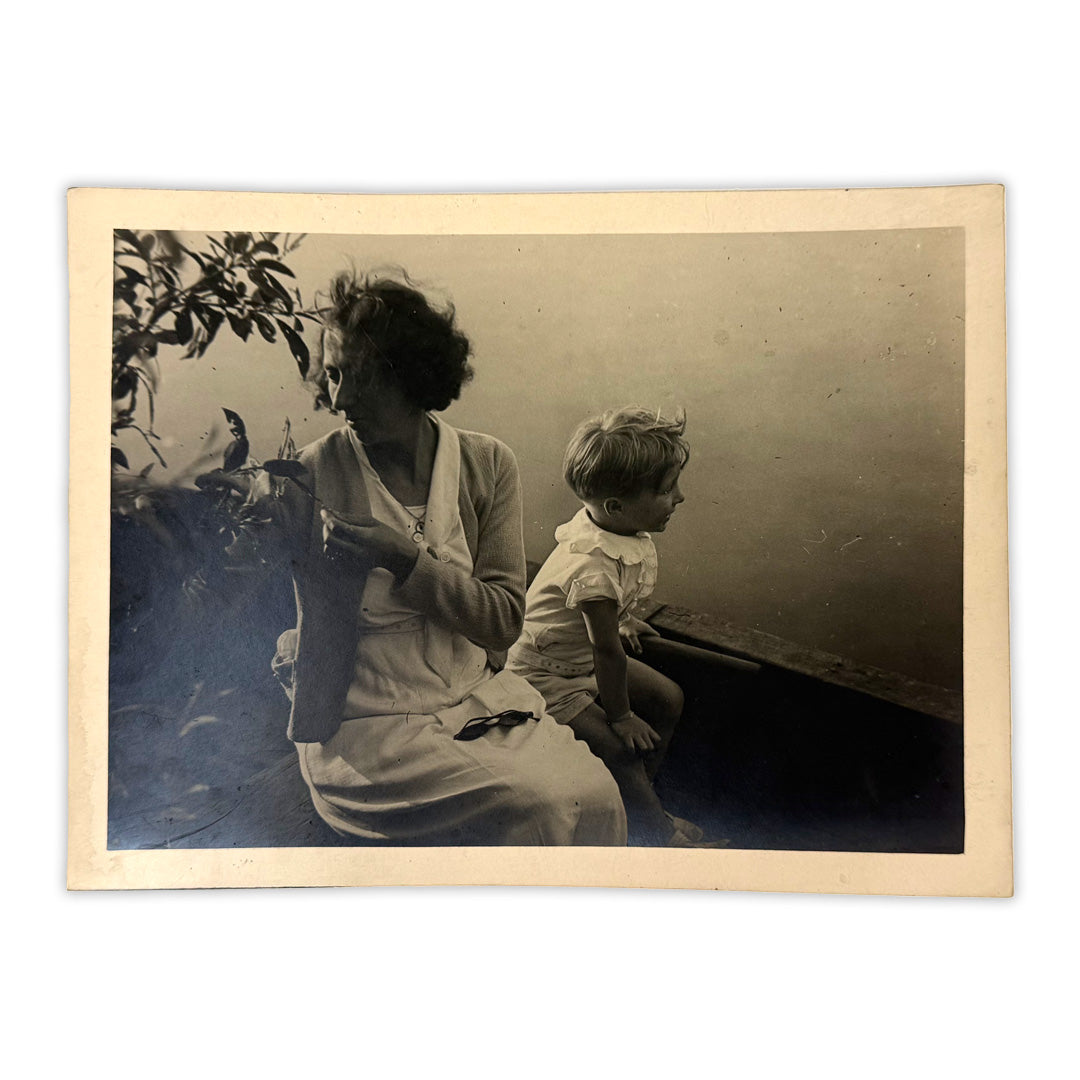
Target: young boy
x=625 y=467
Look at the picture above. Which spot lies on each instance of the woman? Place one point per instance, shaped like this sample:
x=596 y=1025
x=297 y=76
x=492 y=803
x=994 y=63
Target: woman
x=410 y=577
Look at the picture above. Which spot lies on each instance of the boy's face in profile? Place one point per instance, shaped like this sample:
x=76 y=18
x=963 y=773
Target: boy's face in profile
x=648 y=510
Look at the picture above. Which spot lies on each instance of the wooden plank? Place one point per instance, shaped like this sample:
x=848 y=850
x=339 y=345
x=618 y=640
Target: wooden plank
x=709 y=631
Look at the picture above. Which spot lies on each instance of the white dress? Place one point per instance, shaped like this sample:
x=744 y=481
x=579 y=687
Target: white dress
x=395 y=772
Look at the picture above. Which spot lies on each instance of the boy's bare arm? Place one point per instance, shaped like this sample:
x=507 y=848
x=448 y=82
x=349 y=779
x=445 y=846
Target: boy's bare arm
x=609 y=656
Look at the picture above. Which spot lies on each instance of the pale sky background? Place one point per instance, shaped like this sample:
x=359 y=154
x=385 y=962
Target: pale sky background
x=822 y=375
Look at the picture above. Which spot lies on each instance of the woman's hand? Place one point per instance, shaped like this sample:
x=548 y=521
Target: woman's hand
x=368 y=543
x=632 y=630
x=635 y=733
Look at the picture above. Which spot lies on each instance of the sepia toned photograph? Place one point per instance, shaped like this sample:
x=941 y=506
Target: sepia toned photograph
x=642 y=540
x=562 y=513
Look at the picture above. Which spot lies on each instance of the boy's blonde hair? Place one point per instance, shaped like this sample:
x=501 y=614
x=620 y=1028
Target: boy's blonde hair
x=624 y=451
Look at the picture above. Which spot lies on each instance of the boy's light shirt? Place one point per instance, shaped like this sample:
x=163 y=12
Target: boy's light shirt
x=589 y=563
x=582 y=536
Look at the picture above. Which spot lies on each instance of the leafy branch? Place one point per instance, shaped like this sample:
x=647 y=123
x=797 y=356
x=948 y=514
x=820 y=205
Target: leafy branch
x=166 y=293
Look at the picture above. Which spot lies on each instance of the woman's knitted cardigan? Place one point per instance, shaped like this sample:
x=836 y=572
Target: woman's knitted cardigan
x=486 y=607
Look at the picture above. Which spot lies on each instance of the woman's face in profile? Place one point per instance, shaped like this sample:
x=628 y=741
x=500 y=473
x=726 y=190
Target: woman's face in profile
x=372 y=406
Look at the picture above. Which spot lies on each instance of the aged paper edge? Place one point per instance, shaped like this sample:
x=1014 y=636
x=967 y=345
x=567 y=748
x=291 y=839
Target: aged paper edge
x=985 y=868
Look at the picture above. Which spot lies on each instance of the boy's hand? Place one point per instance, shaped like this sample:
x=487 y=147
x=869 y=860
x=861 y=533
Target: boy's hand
x=635 y=733
x=632 y=631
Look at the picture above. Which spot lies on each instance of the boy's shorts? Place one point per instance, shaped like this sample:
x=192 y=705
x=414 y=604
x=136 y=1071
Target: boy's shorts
x=567 y=688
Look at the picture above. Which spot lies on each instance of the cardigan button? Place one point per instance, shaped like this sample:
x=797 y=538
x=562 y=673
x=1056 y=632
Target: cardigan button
x=445 y=556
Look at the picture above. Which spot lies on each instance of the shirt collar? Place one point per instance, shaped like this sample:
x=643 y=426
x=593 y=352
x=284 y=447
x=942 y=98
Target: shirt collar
x=582 y=535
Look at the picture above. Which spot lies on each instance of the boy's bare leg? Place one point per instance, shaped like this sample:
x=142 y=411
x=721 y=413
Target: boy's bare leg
x=643 y=810
x=655 y=698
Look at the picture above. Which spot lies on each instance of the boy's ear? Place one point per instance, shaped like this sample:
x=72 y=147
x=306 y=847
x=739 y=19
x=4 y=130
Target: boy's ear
x=612 y=505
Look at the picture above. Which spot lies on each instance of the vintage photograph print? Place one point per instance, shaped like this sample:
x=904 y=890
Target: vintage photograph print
x=634 y=539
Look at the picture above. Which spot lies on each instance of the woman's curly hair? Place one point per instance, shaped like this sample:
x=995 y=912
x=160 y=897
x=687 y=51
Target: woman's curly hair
x=396 y=332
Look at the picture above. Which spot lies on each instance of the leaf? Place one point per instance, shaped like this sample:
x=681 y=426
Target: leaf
x=146 y=367
x=280 y=289
x=198 y=340
x=214 y=320
x=183 y=327
x=266 y=327
x=286 y=441
x=160 y=308
x=127 y=236
x=265 y=245
x=297 y=348
x=236 y=421
x=148 y=380
x=288 y=467
x=277 y=267
x=220 y=279
x=124 y=290
x=241 y=327
x=194 y=255
x=215 y=267
x=236 y=454
x=119 y=458
x=123 y=383
x=167 y=275
x=144 y=473
x=271 y=284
